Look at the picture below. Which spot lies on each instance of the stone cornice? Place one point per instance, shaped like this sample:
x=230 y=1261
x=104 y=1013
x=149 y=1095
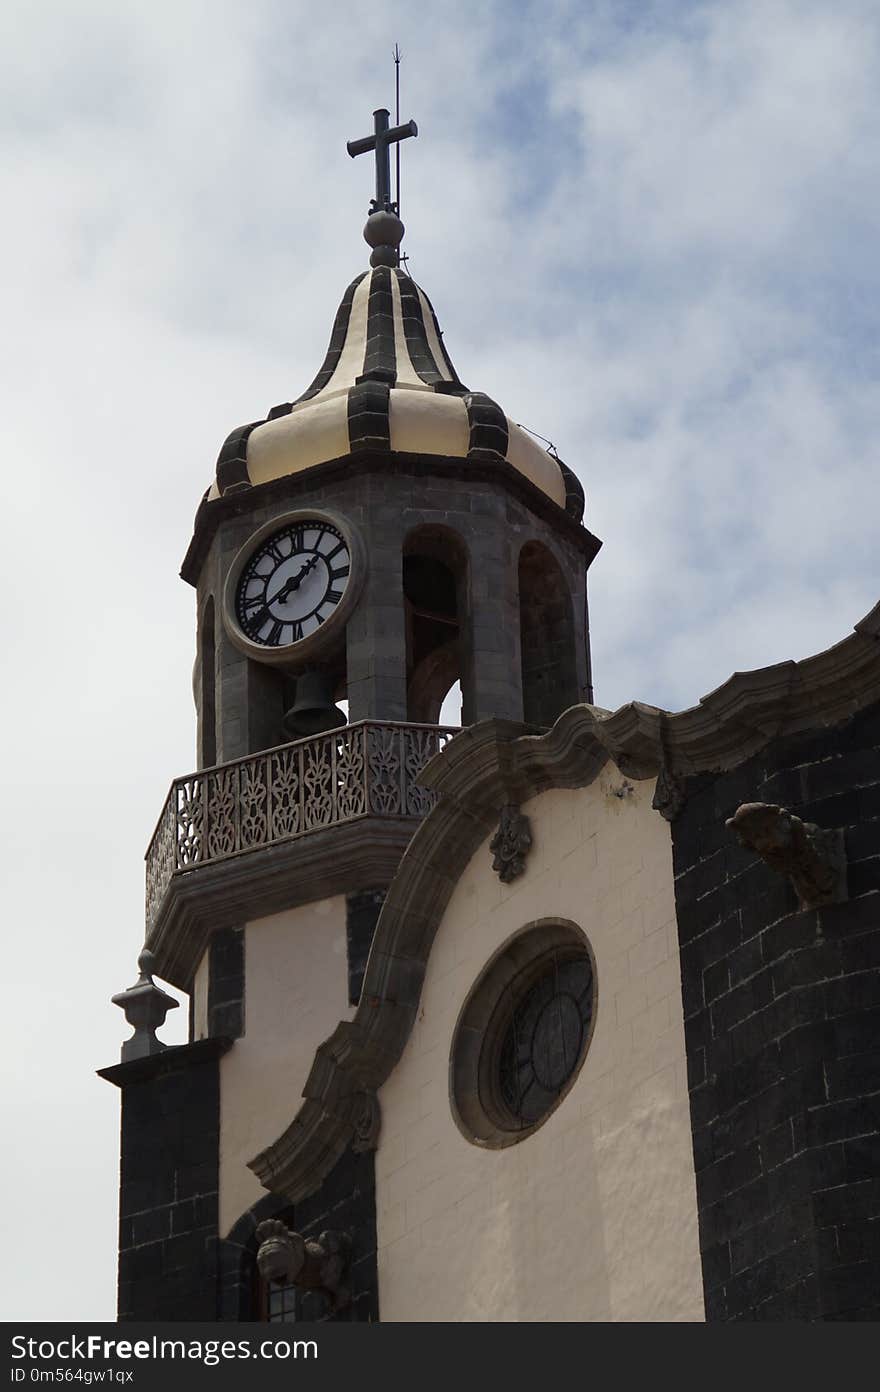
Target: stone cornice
x=497 y=763
x=170 y=1060
x=212 y=512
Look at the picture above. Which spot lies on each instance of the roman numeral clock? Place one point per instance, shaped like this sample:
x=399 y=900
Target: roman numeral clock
x=291 y=586
x=287 y=596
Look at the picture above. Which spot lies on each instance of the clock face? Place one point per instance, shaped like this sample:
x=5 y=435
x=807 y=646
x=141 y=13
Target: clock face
x=292 y=583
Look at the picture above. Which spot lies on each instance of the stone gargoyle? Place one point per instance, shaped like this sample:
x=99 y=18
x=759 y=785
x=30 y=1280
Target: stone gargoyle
x=310 y=1263
x=814 y=859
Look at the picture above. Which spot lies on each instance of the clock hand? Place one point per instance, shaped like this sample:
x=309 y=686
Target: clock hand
x=309 y=565
x=294 y=582
x=288 y=586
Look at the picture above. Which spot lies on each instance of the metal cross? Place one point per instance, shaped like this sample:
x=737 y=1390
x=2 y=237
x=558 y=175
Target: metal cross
x=381 y=141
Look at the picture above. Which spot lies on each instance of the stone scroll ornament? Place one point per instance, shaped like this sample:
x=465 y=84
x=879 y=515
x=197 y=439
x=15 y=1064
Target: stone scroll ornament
x=813 y=859
x=511 y=843
x=309 y=1263
x=367 y=1123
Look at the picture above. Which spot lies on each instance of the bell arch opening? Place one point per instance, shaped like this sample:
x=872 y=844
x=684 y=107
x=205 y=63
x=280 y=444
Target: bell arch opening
x=547 y=637
x=435 y=573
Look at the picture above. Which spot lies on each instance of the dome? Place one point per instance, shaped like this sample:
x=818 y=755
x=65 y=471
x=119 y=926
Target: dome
x=387 y=383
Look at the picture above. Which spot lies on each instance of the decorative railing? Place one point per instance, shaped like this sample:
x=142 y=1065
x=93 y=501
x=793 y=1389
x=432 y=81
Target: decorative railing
x=363 y=770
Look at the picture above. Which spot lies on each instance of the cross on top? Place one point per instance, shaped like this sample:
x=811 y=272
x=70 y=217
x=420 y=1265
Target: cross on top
x=381 y=141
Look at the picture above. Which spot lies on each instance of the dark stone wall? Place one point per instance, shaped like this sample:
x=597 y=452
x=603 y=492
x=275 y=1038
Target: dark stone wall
x=172 y=1264
x=782 y=1029
x=361 y=916
x=345 y=1202
x=206 y=685
x=226 y=983
x=168 y=1206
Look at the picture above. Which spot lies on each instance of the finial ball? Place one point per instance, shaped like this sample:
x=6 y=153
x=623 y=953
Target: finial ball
x=383 y=229
x=384 y=256
x=146 y=963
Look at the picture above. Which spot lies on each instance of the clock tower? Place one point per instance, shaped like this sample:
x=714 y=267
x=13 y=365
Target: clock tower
x=361 y=548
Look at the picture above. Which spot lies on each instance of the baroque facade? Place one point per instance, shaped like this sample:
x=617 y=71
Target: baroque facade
x=562 y=1015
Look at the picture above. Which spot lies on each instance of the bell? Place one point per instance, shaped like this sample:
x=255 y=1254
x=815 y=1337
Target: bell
x=313 y=711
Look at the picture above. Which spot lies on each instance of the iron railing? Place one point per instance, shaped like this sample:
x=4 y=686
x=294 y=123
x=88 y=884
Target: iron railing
x=369 y=769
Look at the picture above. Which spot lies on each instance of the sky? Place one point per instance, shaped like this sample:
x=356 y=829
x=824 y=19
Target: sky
x=649 y=231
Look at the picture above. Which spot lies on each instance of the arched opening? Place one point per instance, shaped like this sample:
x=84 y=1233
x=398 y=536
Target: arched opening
x=450 y=710
x=344 y=1203
x=314 y=698
x=275 y=1302
x=208 y=698
x=244 y=1295
x=434 y=583
x=549 y=667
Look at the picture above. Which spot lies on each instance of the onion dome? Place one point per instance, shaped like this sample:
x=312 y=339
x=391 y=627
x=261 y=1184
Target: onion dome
x=387 y=383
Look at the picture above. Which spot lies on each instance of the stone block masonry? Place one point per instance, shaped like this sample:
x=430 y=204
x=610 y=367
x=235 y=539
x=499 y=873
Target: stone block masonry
x=782 y=1029
x=172 y=1263
x=492 y=514
x=226 y=983
x=168 y=1202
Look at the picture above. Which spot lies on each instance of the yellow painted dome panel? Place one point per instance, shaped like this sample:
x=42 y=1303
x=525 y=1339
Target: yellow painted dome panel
x=424 y=423
x=298 y=441
x=526 y=455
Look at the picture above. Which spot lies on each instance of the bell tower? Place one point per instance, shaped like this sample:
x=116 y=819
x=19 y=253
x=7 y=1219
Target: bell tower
x=387 y=533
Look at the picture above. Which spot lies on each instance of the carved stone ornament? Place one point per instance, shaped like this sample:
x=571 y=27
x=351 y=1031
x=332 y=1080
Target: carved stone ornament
x=145 y=1005
x=813 y=859
x=308 y=1263
x=669 y=796
x=511 y=843
x=367 y=1122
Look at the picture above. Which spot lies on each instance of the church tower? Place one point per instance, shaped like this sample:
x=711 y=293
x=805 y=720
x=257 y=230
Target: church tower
x=559 y=1014
x=387 y=533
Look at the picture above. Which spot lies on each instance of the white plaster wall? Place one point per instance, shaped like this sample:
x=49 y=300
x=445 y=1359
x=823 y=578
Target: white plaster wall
x=296 y=992
x=200 y=998
x=593 y=1217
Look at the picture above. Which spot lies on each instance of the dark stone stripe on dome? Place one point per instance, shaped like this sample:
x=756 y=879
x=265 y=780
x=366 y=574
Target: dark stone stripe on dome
x=369 y=425
x=337 y=342
x=487 y=423
x=417 y=344
x=575 y=502
x=232 y=460
x=380 y=358
x=446 y=357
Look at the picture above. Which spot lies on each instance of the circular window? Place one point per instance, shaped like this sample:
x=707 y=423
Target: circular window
x=523 y=1034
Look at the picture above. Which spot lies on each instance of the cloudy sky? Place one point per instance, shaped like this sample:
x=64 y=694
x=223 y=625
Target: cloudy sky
x=649 y=230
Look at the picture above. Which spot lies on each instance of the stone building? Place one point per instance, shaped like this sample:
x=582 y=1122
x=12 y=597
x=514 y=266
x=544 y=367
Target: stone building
x=564 y=1015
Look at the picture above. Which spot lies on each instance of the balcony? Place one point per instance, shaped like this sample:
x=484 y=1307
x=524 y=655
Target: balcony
x=369 y=769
